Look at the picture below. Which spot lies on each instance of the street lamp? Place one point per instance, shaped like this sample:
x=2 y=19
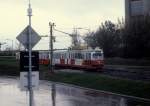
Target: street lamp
x=11 y=44
x=1 y=45
x=44 y=36
x=84 y=29
x=89 y=31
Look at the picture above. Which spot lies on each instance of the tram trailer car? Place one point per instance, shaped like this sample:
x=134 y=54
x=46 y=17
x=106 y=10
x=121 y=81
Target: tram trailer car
x=75 y=59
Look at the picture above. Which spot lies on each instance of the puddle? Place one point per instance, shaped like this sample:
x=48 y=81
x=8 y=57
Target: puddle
x=50 y=94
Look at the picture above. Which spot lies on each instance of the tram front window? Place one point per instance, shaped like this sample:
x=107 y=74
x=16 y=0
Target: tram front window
x=97 y=55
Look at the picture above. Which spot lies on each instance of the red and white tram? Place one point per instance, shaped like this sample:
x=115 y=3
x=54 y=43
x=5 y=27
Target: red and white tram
x=81 y=59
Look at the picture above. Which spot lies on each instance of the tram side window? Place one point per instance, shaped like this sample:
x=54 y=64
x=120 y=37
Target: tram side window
x=69 y=55
x=79 y=56
x=76 y=55
x=73 y=55
x=97 y=55
x=88 y=56
x=56 y=55
x=64 y=55
x=59 y=55
x=47 y=56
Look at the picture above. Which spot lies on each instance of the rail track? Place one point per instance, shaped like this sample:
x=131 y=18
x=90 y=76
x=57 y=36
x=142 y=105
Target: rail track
x=134 y=74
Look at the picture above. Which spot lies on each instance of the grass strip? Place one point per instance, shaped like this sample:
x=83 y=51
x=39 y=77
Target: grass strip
x=101 y=82
x=9 y=66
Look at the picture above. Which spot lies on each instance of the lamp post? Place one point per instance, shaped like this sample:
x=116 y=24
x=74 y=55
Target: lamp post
x=11 y=46
x=1 y=45
x=11 y=43
x=84 y=29
x=88 y=32
x=43 y=35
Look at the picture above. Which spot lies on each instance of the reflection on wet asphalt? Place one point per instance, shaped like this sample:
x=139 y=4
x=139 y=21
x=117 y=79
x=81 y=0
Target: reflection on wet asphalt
x=50 y=94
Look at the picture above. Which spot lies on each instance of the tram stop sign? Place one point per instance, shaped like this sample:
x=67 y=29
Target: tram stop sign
x=24 y=68
x=24 y=61
x=23 y=37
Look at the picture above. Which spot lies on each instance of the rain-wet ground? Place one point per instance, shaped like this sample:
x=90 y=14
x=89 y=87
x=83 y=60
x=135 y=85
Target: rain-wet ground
x=51 y=94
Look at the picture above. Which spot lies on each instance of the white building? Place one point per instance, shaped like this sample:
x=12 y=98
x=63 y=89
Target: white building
x=136 y=9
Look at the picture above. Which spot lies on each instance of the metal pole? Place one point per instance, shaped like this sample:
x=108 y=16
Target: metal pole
x=0 y=46
x=11 y=45
x=53 y=94
x=50 y=47
x=51 y=25
x=30 y=59
x=12 y=48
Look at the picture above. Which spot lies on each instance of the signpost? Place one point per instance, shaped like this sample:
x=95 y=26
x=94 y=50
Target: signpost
x=29 y=38
x=29 y=79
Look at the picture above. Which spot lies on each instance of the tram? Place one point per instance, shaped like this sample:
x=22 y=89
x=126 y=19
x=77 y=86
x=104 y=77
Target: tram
x=75 y=59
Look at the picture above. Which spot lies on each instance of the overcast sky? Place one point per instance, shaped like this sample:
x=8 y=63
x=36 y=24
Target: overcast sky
x=66 y=14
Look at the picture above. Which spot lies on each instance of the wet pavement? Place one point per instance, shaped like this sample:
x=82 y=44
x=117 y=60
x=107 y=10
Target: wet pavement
x=51 y=94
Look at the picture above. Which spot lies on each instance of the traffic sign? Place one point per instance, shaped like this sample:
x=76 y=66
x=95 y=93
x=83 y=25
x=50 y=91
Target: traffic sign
x=24 y=61
x=23 y=37
x=24 y=68
x=24 y=80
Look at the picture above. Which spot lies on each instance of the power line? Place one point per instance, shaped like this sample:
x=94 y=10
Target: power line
x=63 y=32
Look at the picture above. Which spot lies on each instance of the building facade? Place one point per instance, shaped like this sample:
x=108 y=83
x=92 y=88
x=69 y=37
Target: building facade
x=136 y=9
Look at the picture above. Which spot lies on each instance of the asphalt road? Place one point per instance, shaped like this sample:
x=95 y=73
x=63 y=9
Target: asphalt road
x=52 y=94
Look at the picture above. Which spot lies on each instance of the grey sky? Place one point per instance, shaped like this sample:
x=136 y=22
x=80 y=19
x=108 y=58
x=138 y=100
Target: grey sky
x=65 y=13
